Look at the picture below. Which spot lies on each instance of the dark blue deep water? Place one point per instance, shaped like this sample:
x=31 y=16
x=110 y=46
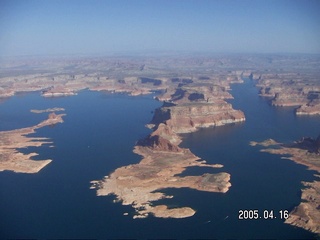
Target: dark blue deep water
x=98 y=136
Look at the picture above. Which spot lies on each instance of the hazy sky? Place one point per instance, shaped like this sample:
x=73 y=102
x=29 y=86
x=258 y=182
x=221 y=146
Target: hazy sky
x=91 y=27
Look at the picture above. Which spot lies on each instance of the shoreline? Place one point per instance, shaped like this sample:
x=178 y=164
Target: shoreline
x=305 y=152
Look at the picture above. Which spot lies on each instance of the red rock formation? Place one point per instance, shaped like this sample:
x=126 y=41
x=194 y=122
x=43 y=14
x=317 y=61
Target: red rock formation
x=58 y=91
x=188 y=117
x=289 y=98
x=158 y=143
x=52 y=116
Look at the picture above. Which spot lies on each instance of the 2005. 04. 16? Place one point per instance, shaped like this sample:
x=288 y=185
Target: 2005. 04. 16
x=267 y=214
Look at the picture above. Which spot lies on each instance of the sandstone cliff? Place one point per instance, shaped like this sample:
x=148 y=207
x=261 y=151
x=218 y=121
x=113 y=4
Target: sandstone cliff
x=188 y=117
x=311 y=108
x=59 y=91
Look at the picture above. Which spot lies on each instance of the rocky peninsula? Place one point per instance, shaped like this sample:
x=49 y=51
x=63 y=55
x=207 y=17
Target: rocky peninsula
x=307 y=152
x=162 y=161
x=141 y=184
x=11 y=141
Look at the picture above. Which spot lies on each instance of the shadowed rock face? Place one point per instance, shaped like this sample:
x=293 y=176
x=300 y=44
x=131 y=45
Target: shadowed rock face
x=196 y=97
x=162 y=114
x=162 y=139
x=179 y=94
x=311 y=108
x=204 y=78
x=310 y=144
x=317 y=143
x=181 y=80
x=155 y=82
x=158 y=143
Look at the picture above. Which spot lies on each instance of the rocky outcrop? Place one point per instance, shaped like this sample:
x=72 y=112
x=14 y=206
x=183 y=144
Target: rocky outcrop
x=289 y=99
x=158 y=143
x=309 y=144
x=195 y=92
x=304 y=151
x=311 y=108
x=188 y=117
x=162 y=139
x=307 y=214
x=6 y=93
x=58 y=92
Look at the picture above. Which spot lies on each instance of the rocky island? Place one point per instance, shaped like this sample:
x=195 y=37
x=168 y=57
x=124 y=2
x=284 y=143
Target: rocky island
x=11 y=141
x=307 y=152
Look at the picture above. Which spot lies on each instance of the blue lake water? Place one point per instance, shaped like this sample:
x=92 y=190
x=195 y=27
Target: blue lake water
x=98 y=136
